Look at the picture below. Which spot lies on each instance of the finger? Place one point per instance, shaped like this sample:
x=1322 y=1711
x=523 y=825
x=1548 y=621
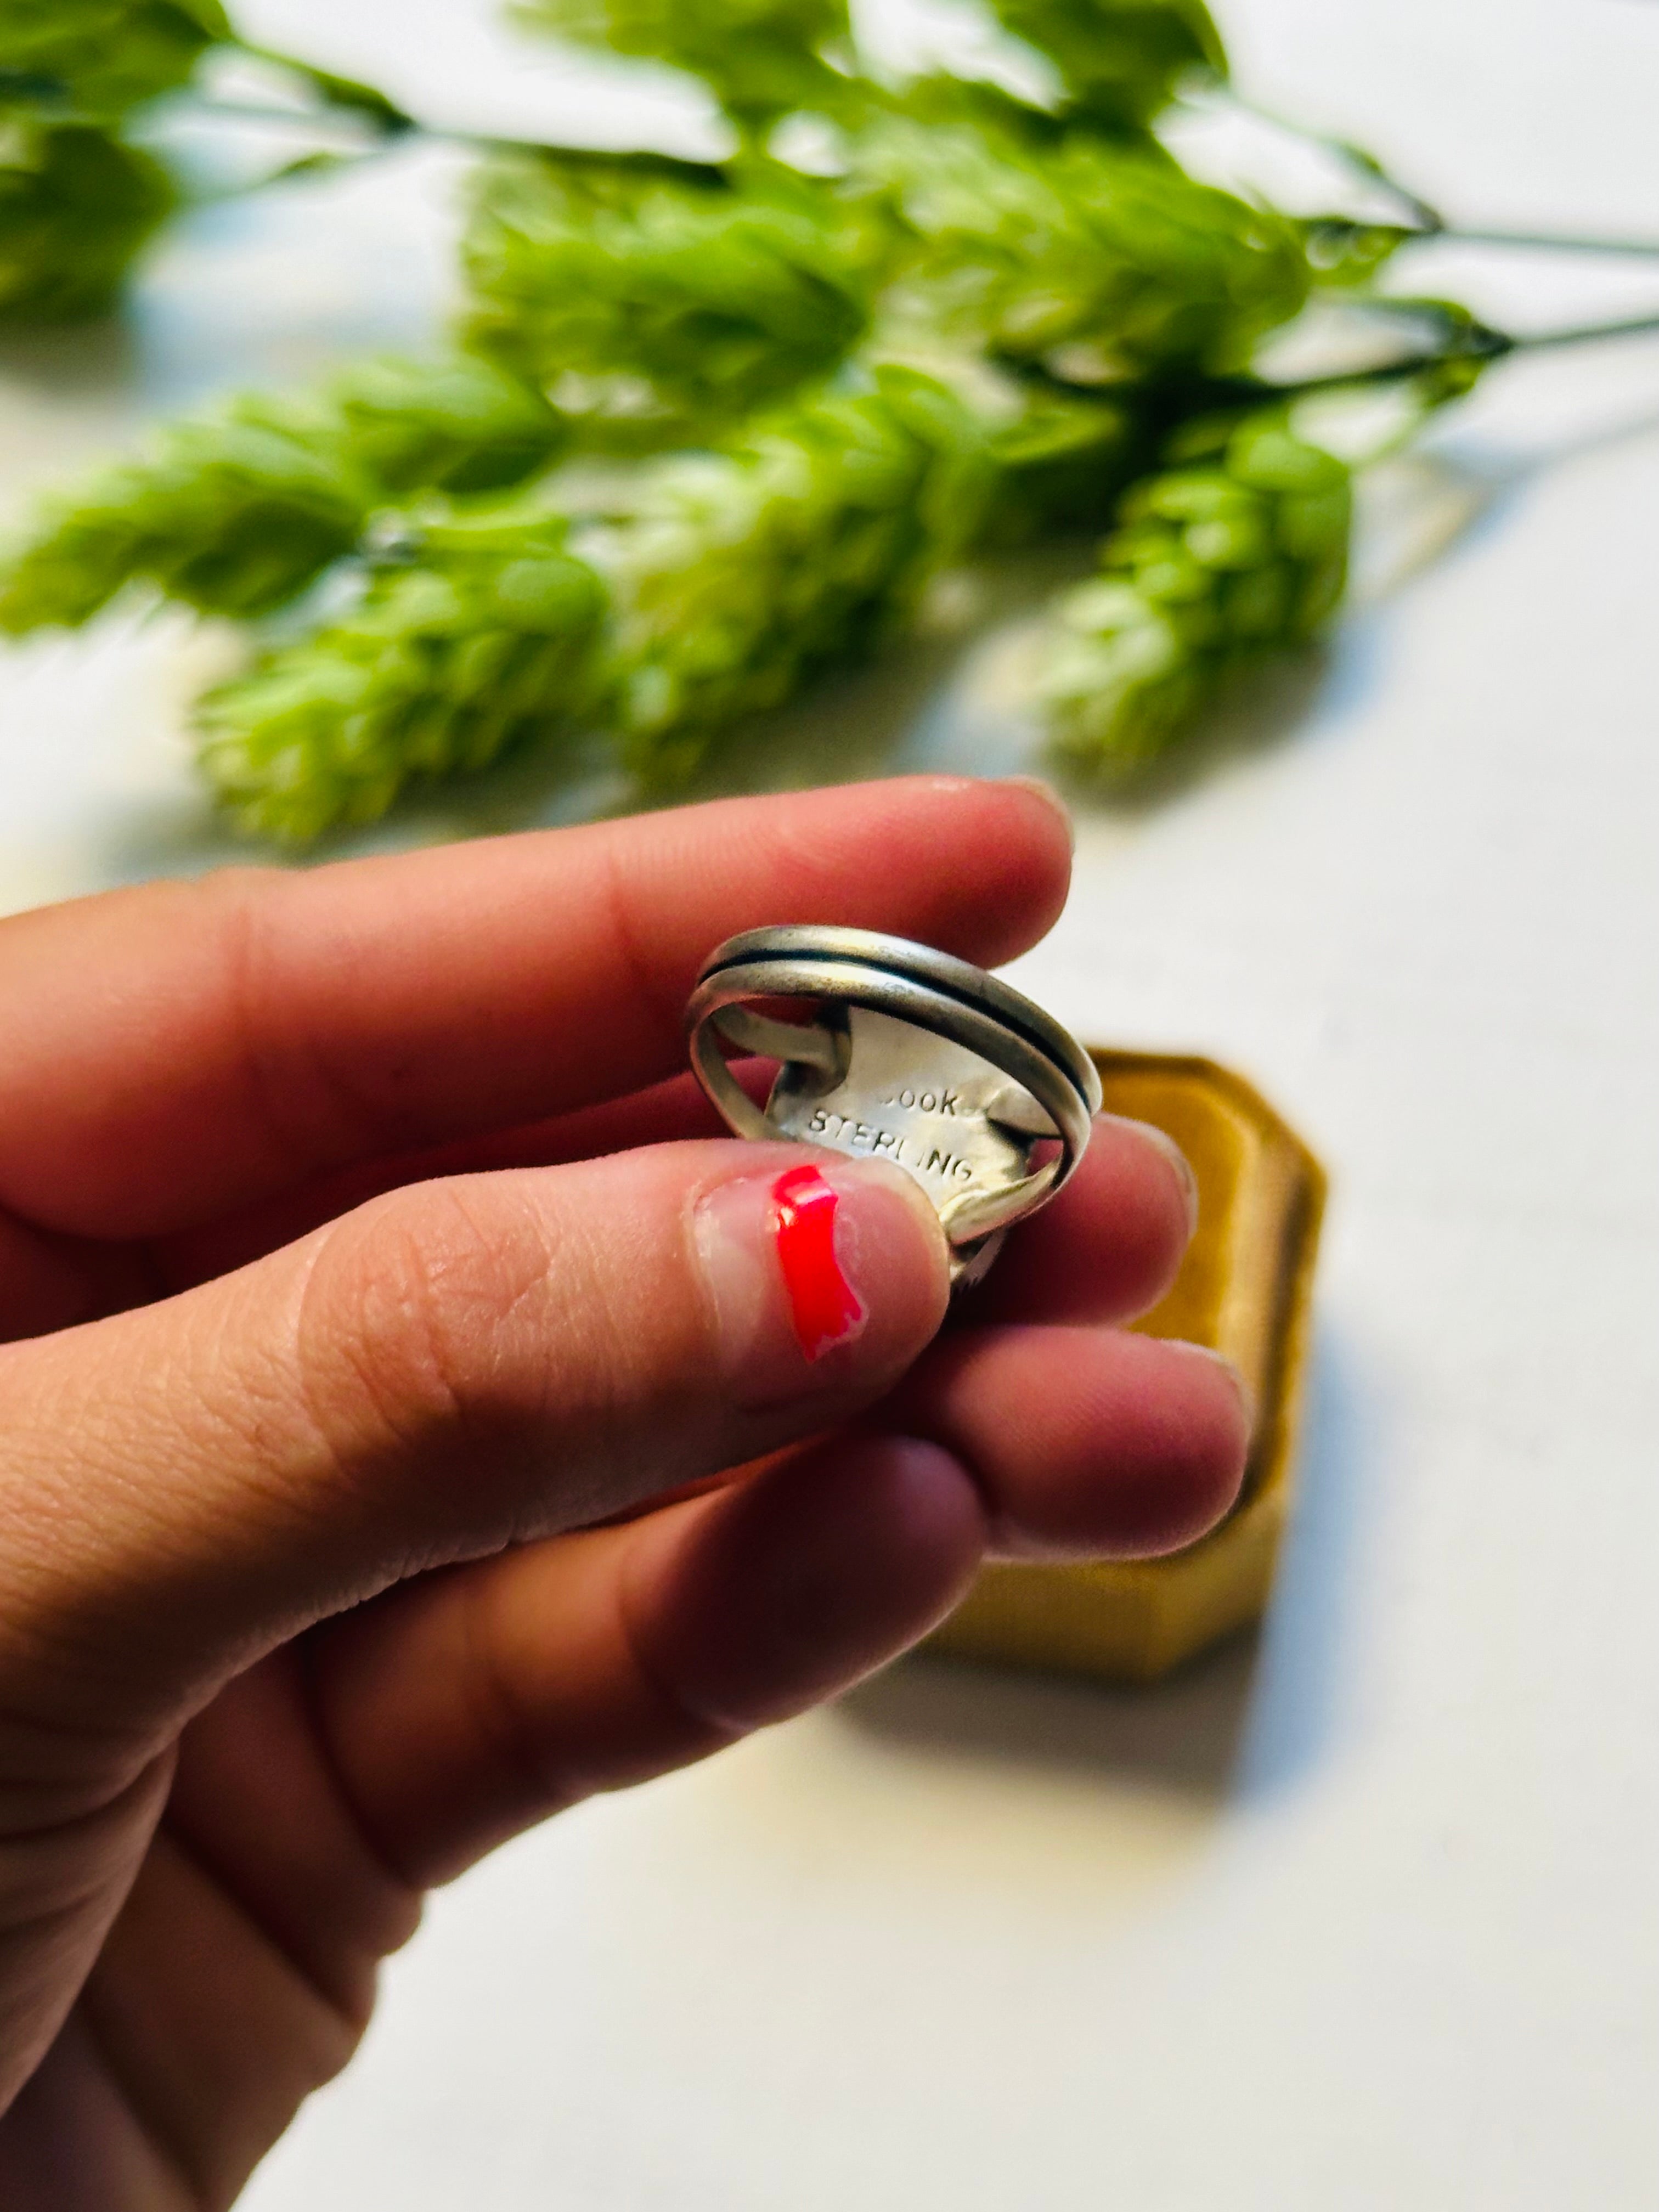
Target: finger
x=181 y=1050
x=256 y=1804
x=674 y=1112
x=454 y=1368
x=1087 y=1443
x=1108 y=1247
x=242 y=1967
x=49 y=1282
x=201 y=2028
x=465 y=1708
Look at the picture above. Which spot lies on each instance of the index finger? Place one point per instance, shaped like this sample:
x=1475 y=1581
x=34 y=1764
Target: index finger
x=182 y=1049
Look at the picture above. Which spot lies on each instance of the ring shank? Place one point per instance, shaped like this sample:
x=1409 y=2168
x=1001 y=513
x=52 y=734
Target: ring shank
x=923 y=963
x=834 y=971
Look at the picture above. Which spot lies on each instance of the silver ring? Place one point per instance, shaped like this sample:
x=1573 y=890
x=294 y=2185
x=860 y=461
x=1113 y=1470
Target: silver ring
x=906 y=1054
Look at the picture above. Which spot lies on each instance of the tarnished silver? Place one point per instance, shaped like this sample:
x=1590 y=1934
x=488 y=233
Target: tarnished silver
x=909 y=1056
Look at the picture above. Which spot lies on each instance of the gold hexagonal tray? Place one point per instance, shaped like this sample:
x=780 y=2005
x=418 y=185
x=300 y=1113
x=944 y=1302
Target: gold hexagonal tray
x=1245 y=1288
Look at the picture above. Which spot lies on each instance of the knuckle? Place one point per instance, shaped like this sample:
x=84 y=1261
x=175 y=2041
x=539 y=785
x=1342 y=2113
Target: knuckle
x=412 y=1310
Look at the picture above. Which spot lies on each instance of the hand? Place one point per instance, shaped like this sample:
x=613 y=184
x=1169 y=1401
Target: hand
x=376 y=1352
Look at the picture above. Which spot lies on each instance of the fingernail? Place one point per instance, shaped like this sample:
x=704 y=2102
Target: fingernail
x=822 y=1273
x=1181 y=1166
x=1050 y=798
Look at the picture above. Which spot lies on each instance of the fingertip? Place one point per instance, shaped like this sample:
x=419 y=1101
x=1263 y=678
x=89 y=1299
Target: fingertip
x=1035 y=833
x=1016 y=839
x=1035 y=787
x=1087 y=1443
x=1174 y=1168
x=795 y=1587
x=1218 y=1421
x=823 y=1275
x=930 y=1504
x=1111 y=1244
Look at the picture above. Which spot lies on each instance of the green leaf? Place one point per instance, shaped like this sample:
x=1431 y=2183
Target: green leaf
x=76 y=207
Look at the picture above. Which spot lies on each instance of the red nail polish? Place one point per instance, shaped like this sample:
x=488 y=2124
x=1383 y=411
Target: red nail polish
x=824 y=1305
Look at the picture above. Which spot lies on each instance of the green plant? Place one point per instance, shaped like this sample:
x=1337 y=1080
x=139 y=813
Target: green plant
x=1240 y=554
x=708 y=428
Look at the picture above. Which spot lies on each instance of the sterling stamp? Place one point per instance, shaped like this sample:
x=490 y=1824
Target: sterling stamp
x=890 y=1050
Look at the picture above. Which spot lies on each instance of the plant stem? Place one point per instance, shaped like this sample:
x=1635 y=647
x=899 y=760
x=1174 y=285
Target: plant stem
x=1387 y=371
x=1639 y=248
x=1492 y=345
x=367 y=101
x=1586 y=333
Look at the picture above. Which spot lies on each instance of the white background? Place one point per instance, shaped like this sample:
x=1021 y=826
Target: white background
x=1361 y=1915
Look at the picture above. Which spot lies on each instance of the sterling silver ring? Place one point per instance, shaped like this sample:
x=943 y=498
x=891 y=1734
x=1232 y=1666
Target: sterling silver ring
x=890 y=1050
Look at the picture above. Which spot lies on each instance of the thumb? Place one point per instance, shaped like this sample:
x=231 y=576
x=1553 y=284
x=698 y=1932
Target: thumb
x=450 y=1369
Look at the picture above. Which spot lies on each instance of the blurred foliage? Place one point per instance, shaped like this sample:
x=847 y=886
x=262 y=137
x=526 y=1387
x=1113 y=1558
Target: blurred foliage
x=761 y=58
x=1213 y=567
x=79 y=202
x=709 y=429
x=472 y=635
x=1059 y=461
x=1120 y=60
x=77 y=206
x=97 y=59
x=655 y=299
x=456 y=425
x=232 y=516
x=238 y=514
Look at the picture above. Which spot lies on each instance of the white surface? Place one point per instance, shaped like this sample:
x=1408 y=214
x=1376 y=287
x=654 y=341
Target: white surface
x=1362 y=1918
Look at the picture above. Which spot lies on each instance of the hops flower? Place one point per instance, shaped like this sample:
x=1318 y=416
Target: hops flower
x=652 y=299
x=710 y=591
x=482 y=633
x=1214 y=567
x=1119 y=60
x=237 y=513
x=96 y=60
x=77 y=207
x=458 y=425
x=1098 y=260
x=761 y=58
x=739 y=575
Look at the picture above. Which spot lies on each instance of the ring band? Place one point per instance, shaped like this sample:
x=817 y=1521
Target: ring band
x=910 y=1054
